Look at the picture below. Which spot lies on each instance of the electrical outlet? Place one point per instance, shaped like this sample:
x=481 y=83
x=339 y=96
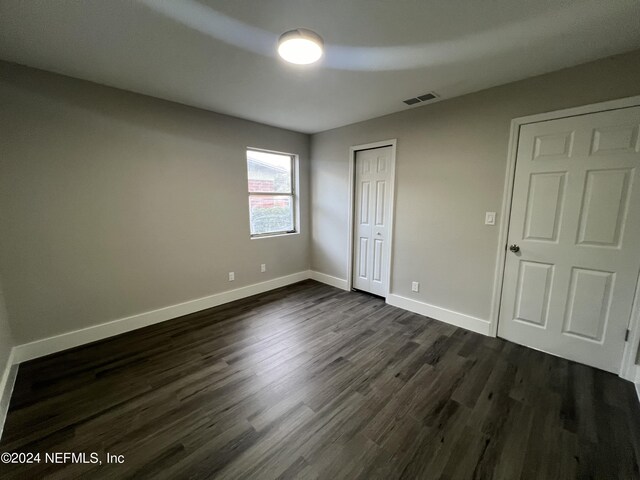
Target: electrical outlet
x=232 y=276
x=263 y=267
x=490 y=218
x=415 y=286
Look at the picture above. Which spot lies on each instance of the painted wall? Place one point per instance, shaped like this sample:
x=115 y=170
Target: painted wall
x=113 y=203
x=451 y=161
x=6 y=342
x=7 y=369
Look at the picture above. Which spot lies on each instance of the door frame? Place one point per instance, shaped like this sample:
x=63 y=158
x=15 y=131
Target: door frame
x=392 y=198
x=628 y=369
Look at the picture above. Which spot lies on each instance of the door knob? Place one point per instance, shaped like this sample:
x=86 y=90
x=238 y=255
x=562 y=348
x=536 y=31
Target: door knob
x=378 y=233
x=514 y=248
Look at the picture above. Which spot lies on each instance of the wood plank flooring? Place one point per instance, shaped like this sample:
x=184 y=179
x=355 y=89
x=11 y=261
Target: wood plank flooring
x=312 y=382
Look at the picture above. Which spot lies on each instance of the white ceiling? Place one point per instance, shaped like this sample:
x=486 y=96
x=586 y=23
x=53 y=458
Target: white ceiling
x=220 y=55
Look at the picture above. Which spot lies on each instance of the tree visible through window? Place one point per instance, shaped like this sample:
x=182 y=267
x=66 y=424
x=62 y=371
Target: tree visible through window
x=271 y=193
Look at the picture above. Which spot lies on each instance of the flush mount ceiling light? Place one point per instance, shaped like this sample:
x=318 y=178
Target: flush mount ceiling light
x=300 y=46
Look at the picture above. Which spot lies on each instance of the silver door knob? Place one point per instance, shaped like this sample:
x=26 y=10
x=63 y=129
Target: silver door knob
x=514 y=248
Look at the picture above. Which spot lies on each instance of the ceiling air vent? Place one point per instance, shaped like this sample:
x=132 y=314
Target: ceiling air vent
x=422 y=98
x=426 y=97
x=411 y=101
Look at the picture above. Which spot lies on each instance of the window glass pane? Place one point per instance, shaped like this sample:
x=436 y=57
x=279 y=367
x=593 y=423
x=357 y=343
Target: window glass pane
x=269 y=172
x=270 y=213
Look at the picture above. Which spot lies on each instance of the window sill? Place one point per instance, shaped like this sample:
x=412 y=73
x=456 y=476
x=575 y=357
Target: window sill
x=274 y=235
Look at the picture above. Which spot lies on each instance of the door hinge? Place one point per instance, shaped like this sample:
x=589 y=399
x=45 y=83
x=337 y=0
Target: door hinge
x=626 y=335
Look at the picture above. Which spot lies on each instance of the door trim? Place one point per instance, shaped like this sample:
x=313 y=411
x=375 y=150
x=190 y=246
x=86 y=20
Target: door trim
x=392 y=198
x=628 y=369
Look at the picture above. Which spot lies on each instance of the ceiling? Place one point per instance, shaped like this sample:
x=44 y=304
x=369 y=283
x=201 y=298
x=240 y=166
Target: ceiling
x=220 y=54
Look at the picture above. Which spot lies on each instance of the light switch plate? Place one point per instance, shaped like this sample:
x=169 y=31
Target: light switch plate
x=490 y=218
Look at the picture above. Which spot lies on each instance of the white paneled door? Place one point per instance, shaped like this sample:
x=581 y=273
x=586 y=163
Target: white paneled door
x=372 y=211
x=574 y=237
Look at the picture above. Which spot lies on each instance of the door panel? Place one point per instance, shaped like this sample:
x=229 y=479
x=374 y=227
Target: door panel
x=588 y=303
x=377 y=260
x=380 y=203
x=363 y=264
x=553 y=146
x=534 y=285
x=615 y=139
x=364 y=203
x=372 y=220
x=604 y=207
x=576 y=218
x=544 y=205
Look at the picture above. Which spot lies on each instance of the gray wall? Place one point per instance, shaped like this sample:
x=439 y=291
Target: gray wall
x=451 y=161
x=6 y=342
x=113 y=203
x=7 y=370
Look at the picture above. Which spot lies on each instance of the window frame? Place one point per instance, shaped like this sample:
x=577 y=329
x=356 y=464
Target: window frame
x=293 y=194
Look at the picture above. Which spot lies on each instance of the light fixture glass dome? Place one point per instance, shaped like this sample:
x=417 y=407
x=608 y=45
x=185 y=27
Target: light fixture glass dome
x=300 y=46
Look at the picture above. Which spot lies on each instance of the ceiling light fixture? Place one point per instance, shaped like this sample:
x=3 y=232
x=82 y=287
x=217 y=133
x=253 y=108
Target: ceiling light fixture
x=300 y=46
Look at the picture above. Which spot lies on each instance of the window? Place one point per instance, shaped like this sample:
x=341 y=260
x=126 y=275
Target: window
x=272 y=202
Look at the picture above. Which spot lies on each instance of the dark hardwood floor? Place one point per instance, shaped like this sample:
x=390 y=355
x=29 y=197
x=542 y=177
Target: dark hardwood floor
x=312 y=382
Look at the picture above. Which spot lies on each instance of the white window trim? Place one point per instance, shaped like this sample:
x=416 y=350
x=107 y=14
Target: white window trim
x=295 y=189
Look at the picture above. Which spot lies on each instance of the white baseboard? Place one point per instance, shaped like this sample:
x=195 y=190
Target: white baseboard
x=329 y=280
x=438 y=313
x=7 y=381
x=6 y=373
x=47 y=346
